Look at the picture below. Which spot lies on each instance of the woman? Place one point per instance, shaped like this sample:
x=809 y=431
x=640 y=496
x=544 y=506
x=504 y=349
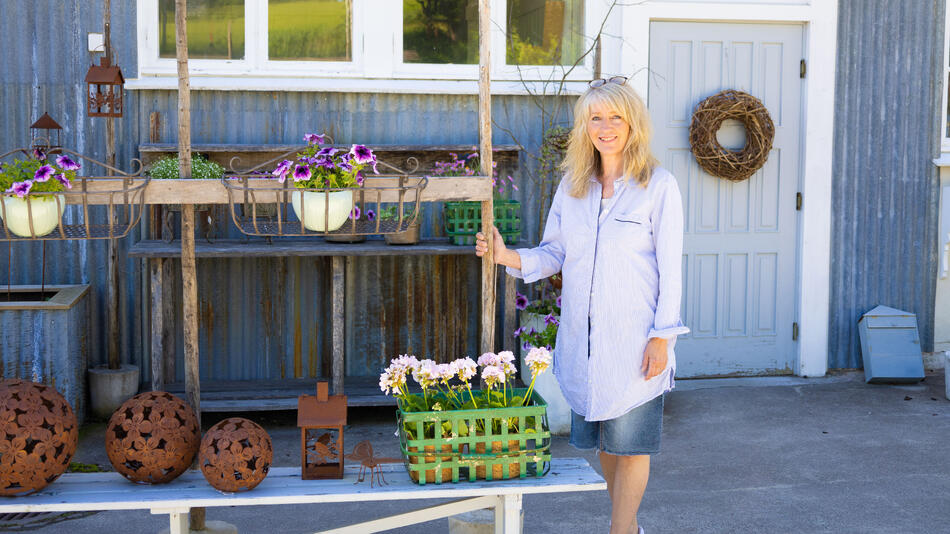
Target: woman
x=615 y=231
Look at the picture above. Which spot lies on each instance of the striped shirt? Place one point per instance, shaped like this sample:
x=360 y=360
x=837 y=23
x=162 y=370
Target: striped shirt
x=627 y=251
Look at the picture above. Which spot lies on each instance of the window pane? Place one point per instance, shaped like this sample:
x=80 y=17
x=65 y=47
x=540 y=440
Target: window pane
x=545 y=32
x=440 y=31
x=215 y=29
x=309 y=30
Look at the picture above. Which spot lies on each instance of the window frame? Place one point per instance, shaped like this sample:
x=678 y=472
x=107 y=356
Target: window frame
x=377 y=25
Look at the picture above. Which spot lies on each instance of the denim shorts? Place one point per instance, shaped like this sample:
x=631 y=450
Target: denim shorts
x=633 y=433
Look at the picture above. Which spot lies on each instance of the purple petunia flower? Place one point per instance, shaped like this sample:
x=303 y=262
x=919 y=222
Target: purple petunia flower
x=43 y=173
x=362 y=155
x=61 y=178
x=345 y=167
x=315 y=139
x=551 y=319
x=558 y=301
x=327 y=164
x=359 y=178
x=39 y=154
x=66 y=163
x=327 y=151
x=302 y=172
x=370 y=215
x=525 y=345
x=355 y=212
x=521 y=301
x=517 y=331
x=281 y=171
x=21 y=189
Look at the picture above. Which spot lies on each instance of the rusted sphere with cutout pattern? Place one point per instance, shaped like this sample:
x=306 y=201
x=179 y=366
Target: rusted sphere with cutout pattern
x=38 y=439
x=235 y=455
x=152 y=438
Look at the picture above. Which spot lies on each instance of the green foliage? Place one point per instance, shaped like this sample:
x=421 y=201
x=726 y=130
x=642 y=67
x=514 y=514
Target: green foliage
x=390 y=213
x=76 y=467
x=201 y=169
x=22 y=170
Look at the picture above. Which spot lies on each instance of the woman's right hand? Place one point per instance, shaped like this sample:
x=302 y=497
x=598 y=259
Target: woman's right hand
x=499 y=251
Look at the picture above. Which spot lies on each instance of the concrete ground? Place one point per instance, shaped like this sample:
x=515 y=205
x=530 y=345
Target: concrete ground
x=762 y=455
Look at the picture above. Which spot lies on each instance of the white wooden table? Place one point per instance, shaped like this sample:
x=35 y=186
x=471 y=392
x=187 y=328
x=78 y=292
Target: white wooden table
x=109 y=491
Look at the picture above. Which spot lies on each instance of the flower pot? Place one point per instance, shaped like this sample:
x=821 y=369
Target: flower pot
x=559 y=411
x=430 y=473
x=322 y=212
x=498 y=471
x=46 y=211
x=109 y=388
x=409 y=237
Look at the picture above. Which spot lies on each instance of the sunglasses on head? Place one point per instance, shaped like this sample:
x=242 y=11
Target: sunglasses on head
x=619 y=80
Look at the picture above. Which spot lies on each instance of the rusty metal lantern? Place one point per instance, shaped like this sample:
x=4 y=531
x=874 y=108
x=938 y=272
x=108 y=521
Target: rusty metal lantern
x=42 y=132
x=321 y=419
x=152 y=438
x=38 y=439
x=104 y=94
x=235 y=455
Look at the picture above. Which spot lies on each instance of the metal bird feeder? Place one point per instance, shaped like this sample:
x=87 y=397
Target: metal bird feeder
x=104 y=94
x=321 y=419
x=42 y=132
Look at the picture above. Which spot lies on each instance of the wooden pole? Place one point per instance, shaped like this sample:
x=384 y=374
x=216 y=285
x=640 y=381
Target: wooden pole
x=189 y=280
x=485 y=156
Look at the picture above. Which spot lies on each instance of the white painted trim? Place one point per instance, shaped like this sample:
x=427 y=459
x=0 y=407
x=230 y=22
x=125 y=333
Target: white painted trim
x=250 y=82
x=944 y=138
x=821 y=26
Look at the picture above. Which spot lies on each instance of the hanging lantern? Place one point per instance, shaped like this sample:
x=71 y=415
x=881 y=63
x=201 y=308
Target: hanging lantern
x=104 y=94
x=42 y=133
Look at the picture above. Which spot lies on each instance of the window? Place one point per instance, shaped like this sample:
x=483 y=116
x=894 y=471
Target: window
x=309 y=30
x=440 y=32
x=544 y=32
x=250 y=42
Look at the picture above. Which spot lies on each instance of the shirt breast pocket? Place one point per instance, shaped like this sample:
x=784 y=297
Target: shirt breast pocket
x=634 y=223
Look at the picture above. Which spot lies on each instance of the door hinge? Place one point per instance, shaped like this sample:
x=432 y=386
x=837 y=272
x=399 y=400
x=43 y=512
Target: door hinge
x=802 y=69
x=798 y=202
x=794 y=331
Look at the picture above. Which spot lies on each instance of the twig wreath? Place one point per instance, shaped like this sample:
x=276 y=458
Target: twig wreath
x=734 y=165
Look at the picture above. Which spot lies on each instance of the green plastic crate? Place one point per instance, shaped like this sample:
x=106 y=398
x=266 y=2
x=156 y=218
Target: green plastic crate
x=456 y=456
x=464 y=219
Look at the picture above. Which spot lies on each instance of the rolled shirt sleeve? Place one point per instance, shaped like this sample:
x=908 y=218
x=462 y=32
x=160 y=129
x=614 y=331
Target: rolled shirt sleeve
x=547 y=258
x=667 y=219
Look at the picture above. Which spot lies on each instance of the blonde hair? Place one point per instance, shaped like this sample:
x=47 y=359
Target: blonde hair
x=582 y=160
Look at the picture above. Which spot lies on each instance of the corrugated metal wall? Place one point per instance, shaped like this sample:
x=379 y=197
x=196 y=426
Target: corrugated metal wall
x=884 y=196
x=260 y=318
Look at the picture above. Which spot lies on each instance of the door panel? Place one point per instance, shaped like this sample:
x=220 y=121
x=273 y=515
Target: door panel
x=739 y=274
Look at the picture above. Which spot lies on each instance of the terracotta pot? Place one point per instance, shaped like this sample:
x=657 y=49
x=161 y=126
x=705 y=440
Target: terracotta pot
x=497 y=471
x=430 y=473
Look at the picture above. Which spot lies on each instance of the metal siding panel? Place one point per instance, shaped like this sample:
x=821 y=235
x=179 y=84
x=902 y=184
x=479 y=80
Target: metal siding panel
x=884 y=191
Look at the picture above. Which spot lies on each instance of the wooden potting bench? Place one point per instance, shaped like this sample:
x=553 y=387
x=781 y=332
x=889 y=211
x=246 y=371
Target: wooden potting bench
x=75 y=492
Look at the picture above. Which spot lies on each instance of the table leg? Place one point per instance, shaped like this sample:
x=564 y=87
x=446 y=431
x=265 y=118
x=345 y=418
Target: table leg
x=177 y=519
x=508 y=514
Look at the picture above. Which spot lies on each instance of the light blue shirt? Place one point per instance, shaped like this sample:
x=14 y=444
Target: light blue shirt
x=629 y=254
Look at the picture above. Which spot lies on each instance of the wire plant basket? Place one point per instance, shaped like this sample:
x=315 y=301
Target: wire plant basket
x=120 y=194
x=260 y=205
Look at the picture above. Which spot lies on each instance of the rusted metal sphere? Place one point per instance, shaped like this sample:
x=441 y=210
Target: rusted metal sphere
x=39 y=437
x=152 y=438
x=235 y=455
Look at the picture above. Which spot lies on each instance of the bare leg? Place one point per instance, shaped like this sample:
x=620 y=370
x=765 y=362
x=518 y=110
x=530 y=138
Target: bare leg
x=626 y=478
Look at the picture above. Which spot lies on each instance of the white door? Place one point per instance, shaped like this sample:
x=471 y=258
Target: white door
x=739 y=258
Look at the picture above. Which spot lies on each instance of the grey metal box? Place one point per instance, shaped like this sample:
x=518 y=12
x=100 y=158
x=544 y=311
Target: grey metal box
x=890 y=346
